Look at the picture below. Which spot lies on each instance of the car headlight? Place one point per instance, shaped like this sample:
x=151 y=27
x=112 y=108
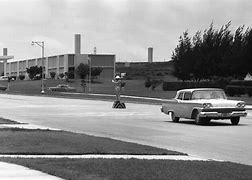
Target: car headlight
x=241 y=105
x=207 y=105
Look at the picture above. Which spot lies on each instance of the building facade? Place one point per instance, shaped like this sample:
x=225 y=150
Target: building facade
x=62 y=64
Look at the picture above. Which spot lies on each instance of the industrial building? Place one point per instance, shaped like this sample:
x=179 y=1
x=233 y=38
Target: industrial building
x=64 y=63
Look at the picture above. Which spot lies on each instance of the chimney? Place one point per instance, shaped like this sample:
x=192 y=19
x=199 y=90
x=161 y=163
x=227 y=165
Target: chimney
x=77 y=44
x=5 y=51
x=150 y=54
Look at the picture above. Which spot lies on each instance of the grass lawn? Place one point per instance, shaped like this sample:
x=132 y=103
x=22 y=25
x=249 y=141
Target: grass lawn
x=132 y=88
x=21 y=141
x=134 y=169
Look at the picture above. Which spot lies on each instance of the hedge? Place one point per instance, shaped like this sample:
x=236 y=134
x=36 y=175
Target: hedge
x=174 y=86
x=232 y=88
x=240 y=83
x=235 y=90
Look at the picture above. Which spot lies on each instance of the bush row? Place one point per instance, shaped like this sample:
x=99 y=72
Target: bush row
x=232 y=88
x=174 y=86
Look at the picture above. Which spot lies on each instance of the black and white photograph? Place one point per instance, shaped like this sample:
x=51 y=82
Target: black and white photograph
x=125 y=89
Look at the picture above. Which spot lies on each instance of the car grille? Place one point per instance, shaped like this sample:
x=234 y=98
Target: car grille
x=223 y=110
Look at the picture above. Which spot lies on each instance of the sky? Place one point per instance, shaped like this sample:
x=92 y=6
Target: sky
x=125 y=28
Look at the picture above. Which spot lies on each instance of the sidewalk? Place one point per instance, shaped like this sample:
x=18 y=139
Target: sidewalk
x=16 y=172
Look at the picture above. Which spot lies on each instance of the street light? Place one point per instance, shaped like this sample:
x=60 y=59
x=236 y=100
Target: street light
x=42 y=45
x=89 y=74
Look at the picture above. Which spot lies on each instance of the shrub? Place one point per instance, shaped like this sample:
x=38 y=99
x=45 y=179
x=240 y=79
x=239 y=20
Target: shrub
x=155 y=83
x=147 y=83
x=61 y=75
x=174 y=86
x=21 y=77
x=53 y=74
x=241 y=83
x=71 y=74
x=33 y=71
x=235 y=90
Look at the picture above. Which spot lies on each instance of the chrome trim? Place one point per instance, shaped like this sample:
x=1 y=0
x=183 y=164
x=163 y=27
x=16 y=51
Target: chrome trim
x=223 y=115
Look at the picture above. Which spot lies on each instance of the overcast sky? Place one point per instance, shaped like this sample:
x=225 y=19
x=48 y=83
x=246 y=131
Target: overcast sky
x=122 y=27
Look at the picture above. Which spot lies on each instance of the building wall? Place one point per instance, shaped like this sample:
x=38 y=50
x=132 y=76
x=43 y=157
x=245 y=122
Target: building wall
x=22 y=67
x=1 y=69
x=62 y=63
x=106 y=62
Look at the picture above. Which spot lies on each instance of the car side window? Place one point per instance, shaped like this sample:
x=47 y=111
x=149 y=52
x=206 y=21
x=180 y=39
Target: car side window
x=180 y=96
x=187 y=96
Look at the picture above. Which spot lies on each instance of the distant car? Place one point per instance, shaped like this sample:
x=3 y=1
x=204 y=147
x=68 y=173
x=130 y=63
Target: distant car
x=4 y=78
x=62 y=88
x=204 y=104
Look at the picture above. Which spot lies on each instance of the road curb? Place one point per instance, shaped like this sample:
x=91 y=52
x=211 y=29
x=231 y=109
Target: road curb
x=113 y=156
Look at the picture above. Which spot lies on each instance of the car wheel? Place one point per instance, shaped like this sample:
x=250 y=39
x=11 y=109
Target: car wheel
x=235 y=120
x=199 y=120
x=174 y=118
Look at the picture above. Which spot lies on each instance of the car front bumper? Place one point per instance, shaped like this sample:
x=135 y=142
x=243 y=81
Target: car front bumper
x=219 y=115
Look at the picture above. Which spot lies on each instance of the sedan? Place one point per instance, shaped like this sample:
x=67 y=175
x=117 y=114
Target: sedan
x=62 y=88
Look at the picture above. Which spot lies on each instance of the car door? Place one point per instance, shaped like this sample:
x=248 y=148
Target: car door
x=186 y=104
x=177 y=109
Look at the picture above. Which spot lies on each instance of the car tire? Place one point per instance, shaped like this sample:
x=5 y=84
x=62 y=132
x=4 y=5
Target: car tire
x=235 y=120
x=174 y=118
x=199 y=120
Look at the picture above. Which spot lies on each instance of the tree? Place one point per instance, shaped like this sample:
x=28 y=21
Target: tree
x=182 y=57
x=33 y=71
x=21 y=77
x=52 y=74
x=95 y=71
x=213 y=54
x=248 y=51
x=82 y=70
x=61 y=75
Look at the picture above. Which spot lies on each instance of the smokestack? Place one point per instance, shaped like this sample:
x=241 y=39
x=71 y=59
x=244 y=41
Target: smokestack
x=77 y=43
x=150 y=54
x=5 y=51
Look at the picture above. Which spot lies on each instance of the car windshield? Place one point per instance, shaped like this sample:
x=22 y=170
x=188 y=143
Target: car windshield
x=208 y=94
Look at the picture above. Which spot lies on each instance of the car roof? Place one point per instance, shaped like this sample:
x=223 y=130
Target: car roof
x=199 y=89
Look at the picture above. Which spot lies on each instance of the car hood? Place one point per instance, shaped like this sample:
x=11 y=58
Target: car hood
x=218 y=102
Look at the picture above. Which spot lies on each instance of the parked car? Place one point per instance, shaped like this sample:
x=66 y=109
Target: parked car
x=204 y=104
x=4 y=78
x=62 y=88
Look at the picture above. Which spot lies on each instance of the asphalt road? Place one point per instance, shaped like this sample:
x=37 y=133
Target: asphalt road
x=139 y=123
